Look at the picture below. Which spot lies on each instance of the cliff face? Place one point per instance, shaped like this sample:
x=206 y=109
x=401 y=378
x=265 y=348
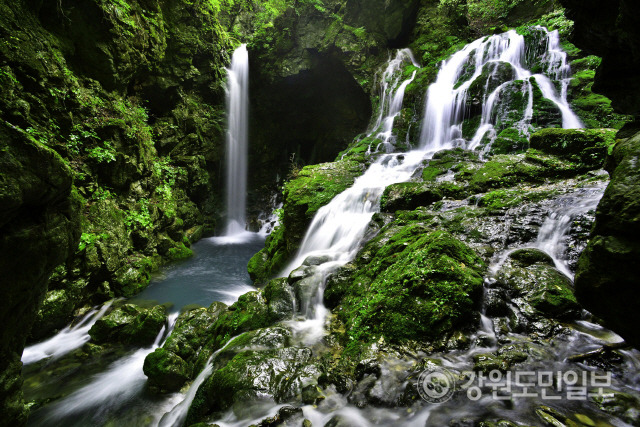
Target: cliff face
x=111 y=120
x=39 y=228
x=607 y=277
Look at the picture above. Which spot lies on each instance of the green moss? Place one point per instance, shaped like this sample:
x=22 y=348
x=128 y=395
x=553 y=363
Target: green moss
x=504 y=199
x=316 y=185
x=130 y=324
x=179 y=253
x=410 y=286
x=509 y=141
x=166 y=370
x=587 y=148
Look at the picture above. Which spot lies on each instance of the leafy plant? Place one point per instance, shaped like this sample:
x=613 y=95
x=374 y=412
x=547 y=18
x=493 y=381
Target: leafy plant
x=139 y=218
x=89 y=239
x=106 y=154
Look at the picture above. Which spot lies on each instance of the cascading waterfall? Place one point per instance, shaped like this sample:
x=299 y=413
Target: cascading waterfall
x=447 y=98
x=237 y=140
x=122 y=383
x=392 y=96
x=558 y=222
x=337 y=229
x=336 y=232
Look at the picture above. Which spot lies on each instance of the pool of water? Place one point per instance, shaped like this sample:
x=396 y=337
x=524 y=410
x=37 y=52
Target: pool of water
x=216 y=272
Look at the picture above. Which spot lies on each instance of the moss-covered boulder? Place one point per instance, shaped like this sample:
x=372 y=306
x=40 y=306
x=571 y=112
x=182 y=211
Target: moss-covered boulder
x=279 y=374
x=410 y=195
x=130 y=324
x=531 y=281
x=587 y=148
x=170 y=366
x=307 y=191
x=409 y=284
x=166 y=370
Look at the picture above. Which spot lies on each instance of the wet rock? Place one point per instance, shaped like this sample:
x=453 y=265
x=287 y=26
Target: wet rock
x=280 y=299
x=316 y=260
x=527 y=257
x=538 y=289
x=311 y=395
x=286 y=416
x=411 y=285
x=411 y=195
x=617 y=403
x=130 y=324
x=495 y=303
x=260 y=339
x=280 y=374
x=341 y=421
x=166 y=370
x=169 y=367
x=551 y=417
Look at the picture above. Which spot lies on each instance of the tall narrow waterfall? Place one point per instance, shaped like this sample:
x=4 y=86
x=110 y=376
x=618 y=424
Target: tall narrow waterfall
x=237 y=140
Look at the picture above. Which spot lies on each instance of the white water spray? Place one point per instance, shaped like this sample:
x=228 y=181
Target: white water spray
x=123 y=382
x=237 y=140
x=66 y=341
x=554 y=229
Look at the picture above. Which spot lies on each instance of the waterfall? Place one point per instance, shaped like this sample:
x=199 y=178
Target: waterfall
x=336 y=231
x=447 y=99
x=337 y=228
x=554 y=229
x=392 y=96
x=120 y=384
x=237 y=140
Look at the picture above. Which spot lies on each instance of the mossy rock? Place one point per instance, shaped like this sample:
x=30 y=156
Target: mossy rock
x=606 y=277
x=130 y=324
x=445 y=160
x=529 y=280
x=410 y=195
x=313 y=187
x=307 y=191
x=166 y=370
x=279 y=374
x=410 y=284
x=280 y=299
x=509 y=141
x=170 y=366
x=529 y=256
x=587 y=148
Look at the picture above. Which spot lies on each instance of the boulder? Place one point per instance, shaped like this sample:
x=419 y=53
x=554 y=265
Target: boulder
x=130 y=324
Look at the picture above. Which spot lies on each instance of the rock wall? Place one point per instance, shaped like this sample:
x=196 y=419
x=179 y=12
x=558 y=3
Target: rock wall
x=39 y=228
x=607 y=280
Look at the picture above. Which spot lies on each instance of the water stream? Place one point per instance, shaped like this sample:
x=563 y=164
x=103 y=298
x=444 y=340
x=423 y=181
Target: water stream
x=67 y=340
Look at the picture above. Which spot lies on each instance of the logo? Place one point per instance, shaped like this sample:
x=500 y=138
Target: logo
x=436 y=385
